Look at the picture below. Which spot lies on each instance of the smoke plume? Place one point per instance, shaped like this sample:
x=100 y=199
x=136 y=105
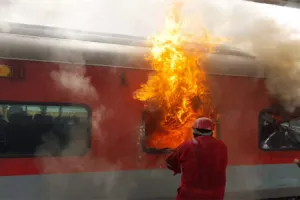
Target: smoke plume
x=268 y=32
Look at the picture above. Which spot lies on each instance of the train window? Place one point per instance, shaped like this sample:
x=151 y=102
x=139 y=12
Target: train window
x=154 y=140
x=34 y=130
x=278 y=134
x=150 y=127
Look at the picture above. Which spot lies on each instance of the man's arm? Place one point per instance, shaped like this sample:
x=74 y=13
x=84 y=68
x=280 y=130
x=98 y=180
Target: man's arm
x=173 y=161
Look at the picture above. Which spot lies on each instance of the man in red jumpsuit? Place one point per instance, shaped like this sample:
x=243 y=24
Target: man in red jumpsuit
x=202 y=162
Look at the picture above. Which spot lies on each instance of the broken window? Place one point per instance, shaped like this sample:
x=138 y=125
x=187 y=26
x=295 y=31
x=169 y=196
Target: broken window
x=156 y=140
x=277 y=132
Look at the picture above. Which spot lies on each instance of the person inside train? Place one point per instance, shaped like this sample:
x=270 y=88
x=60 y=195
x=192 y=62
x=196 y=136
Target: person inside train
x=15 y=111
x=43 y=110
x=202 y=162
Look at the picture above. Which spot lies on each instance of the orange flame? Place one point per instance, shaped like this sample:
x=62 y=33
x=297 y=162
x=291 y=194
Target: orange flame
x=178 y=85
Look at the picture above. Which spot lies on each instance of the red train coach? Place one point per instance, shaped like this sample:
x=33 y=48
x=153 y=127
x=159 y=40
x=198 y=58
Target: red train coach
x=70 y=128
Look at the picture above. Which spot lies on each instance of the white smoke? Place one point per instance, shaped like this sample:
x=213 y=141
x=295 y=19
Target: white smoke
x=129 y=17
x=74 y=80
x=270 y=33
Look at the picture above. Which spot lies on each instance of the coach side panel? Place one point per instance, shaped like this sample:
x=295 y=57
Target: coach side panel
x=115 y=167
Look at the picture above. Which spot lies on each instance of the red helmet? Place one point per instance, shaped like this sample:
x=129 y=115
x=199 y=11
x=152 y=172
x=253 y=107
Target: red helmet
x=203 y=123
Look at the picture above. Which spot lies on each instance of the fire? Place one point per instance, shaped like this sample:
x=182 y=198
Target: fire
x=178 y=85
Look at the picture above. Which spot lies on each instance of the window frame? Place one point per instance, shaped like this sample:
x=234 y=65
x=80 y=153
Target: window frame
x=164 y=151
x=218 y=128
x=260 y=135
x=43 y=103
x=143 y=140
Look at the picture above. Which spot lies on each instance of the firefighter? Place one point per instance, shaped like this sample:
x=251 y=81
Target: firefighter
x=202 y=162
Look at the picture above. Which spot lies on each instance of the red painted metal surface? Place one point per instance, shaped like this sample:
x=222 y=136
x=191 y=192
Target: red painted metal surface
x=239 y=101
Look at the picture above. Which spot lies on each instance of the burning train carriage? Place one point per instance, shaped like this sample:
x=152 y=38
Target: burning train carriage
x=114 y=161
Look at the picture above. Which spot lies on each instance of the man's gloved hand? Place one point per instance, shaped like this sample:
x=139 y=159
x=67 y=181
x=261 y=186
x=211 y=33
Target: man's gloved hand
x=175 y=173
x=297 y=161
x=164 y=166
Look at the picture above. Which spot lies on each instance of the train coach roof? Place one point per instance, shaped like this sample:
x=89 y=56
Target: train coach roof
x=38 y=43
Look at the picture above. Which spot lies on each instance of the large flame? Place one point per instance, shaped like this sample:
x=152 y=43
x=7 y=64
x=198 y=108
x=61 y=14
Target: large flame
x=178 y=85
